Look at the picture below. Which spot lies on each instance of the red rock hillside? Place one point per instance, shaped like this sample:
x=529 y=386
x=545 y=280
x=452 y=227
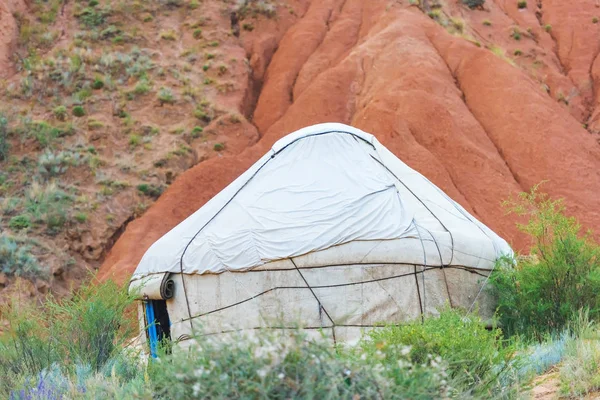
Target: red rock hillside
x=485 y=102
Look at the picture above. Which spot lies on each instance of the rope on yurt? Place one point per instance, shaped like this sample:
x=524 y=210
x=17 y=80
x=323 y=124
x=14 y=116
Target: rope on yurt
x=424 y=306
x=423 y=203
x=442 y=265
x=316 y=298
x=483 y=285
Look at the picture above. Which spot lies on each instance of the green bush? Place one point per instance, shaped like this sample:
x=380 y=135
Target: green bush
x=274 y=366
x=47 y=205
x=92 y=17
x=150 y=190
x=219 y=147
x=165 y=95
x=52 y=164
x=60 y=113
x=197 y=131
x=522 y=4
x=19 y=222
x=142 y=87
x=474 y=354
x=473 y=3
x=4 y=145
x=84 y=332
x=45 y=133
x=81 y=217
x=97 y=84
x=16 y=259
x=545 y=292
x=579 y=371
x=78 y=111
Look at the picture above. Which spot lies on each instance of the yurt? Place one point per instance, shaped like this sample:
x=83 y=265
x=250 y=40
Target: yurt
x=328 y=231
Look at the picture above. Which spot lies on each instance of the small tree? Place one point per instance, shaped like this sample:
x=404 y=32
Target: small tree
x=544 y=292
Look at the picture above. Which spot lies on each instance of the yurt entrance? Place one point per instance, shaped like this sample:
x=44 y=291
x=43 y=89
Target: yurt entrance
x=154 y=291
x=158 y=324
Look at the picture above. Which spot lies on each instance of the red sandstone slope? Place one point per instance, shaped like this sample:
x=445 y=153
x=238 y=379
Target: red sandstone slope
x=477 y=126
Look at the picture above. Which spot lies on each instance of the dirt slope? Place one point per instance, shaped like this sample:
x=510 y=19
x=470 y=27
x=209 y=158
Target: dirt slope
x=484 y=102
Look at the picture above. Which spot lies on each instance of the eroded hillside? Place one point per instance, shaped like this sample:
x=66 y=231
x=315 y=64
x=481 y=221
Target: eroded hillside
x=484 y=101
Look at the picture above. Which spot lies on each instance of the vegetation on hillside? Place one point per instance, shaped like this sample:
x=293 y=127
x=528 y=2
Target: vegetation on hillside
x=108 y=97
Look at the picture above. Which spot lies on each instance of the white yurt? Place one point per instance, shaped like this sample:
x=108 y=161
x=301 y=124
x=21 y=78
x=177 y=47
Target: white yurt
x=328 y=231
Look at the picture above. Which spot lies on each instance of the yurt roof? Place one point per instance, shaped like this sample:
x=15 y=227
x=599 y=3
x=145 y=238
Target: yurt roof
x=322 y=187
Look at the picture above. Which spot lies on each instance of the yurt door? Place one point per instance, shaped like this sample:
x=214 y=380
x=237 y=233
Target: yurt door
x=158 y=324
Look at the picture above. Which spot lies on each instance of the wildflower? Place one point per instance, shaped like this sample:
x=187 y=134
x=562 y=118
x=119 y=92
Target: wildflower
x=281 y=375
x=196 y=389
x=405 y=350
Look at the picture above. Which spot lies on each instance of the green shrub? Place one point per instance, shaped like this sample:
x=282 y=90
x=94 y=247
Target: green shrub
x=275 y=366
x=168 y=35
x=197 y=131
x=522 y=4
x=78 y=111
x=60 y=113
x=544 y=293
x=516 y=34
x=45 y=133
x=110 y=32
x=150 y=190
x=134 y=140
x=86 y=332
x=53 y=164
x=219 y=147
x=197 y=33
x=165 y=95
x=98 y=84
x=595 y=20
x=518 y=52
x=579 y=371
x=92 y=17
x=19 y=222
x=16 y=259
x=142 y=87
x=548 y=28
x=47 y=205
x=473 y=3
x=474 y=353
x=487 y=22
x=4 y=145
x=81 y=217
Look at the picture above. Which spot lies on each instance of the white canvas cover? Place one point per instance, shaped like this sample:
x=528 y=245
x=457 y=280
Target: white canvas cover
x=318 y=187
x=328 y=228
